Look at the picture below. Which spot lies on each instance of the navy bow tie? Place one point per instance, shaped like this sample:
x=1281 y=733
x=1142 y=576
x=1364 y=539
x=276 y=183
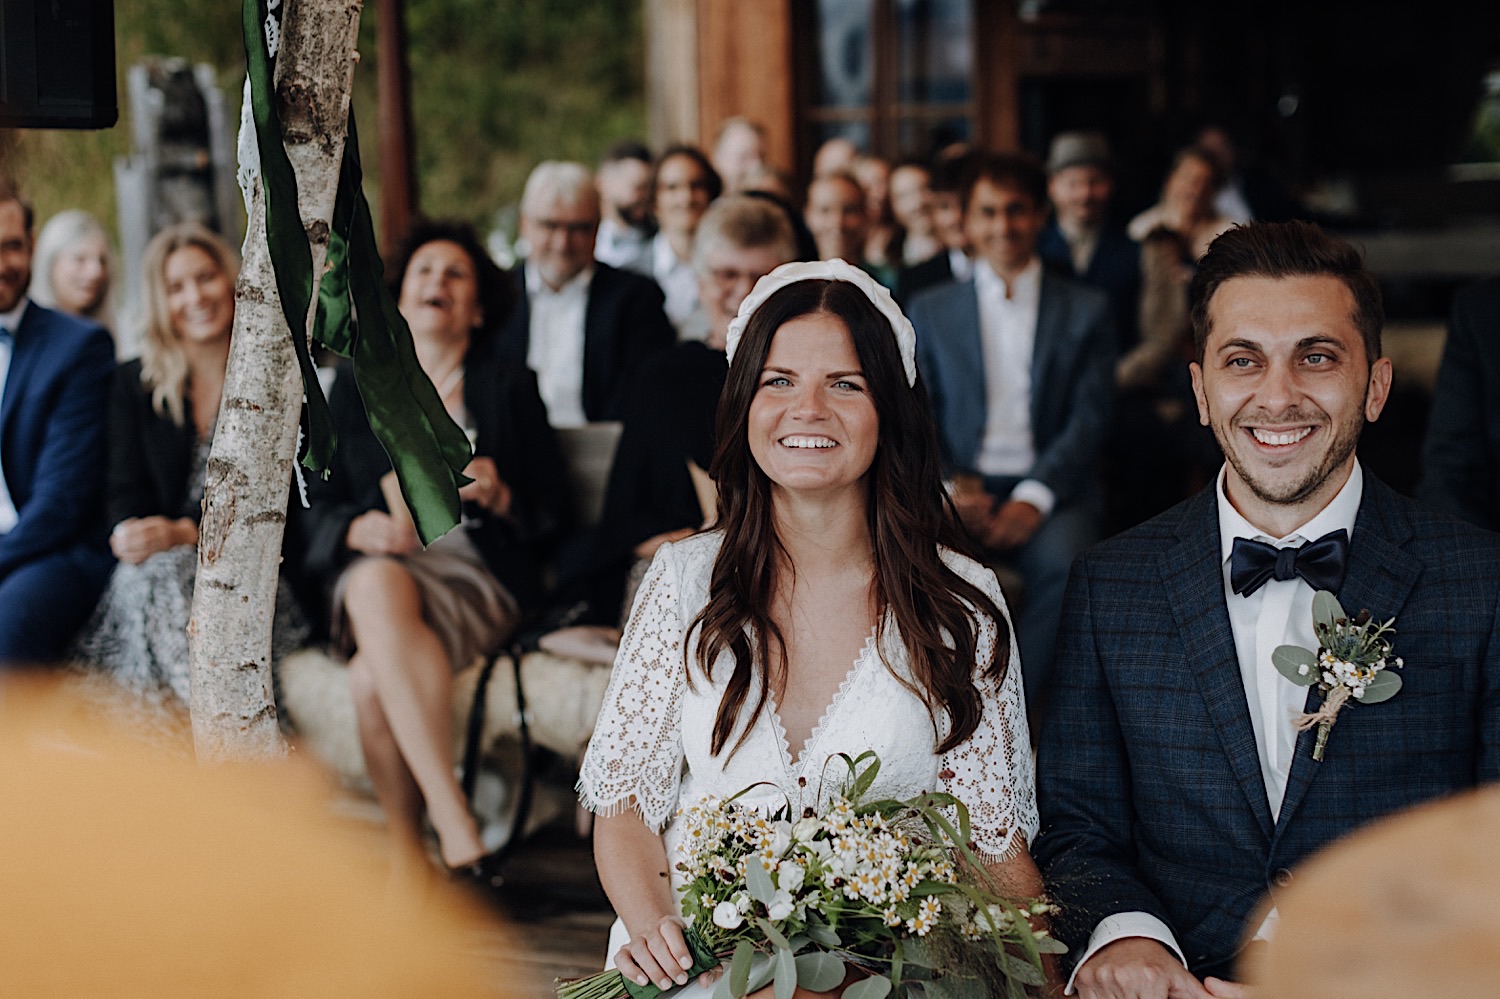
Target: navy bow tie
x=1321 y=563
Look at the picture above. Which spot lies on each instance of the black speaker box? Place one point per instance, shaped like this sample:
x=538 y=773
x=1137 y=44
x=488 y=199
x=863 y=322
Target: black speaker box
x=57 y=64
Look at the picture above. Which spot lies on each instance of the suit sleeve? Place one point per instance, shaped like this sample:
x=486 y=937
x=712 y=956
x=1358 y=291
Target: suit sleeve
x=1458 y=462
x=65 y=492
x=930 y=368
x=1084 y=788
x=645 y=331
x=1070 y=459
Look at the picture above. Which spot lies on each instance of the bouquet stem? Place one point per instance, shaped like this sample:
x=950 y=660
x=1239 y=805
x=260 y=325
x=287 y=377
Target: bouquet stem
x=1323 y=731
x=614 y=985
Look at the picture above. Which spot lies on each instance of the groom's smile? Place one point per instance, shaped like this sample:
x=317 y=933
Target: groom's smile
x=1286 y=387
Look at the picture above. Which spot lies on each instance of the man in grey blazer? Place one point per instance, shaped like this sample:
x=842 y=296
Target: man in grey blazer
x=1019 y=363
x=1177 y=793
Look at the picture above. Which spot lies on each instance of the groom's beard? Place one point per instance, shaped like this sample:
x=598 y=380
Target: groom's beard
x=1342 y=439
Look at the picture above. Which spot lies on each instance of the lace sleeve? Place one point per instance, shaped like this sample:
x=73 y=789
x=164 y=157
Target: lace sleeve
x=992 y=772
x=634 y=758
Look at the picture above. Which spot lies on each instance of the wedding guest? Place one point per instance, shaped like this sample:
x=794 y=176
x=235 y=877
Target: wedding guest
x=837 y=214
x=161 y=425
x=731 y=676
x=405 y=617
x=1187 y=203
x=73 y=267
x=882 y=247
x=835 y=155
x=911 y=207
x=581 y=326
x=624 y=183
x=955 y=262
x=55 y=372
x=739 y=151
x=1180 y=781
x=669 y=415
x=683 y=185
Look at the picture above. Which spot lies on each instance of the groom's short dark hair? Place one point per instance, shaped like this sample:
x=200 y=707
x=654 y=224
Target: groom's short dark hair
x=1286 y=249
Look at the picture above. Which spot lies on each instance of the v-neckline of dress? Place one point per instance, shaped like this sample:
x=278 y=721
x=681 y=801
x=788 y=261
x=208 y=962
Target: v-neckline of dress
x=793 y=767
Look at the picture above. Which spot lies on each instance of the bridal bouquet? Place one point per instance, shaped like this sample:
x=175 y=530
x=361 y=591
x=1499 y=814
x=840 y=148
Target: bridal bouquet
x=890 y=887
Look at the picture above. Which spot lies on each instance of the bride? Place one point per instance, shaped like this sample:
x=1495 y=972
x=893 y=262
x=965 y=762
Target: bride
x=828 y=611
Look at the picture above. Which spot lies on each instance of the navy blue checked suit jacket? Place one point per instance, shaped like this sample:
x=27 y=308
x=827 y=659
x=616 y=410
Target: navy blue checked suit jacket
x=1148 y=781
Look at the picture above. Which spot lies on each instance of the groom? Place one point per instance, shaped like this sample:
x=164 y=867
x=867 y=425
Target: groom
x=1175 y=794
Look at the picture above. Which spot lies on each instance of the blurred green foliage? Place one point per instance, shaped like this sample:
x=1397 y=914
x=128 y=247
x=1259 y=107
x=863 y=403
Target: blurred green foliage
x=497 y=86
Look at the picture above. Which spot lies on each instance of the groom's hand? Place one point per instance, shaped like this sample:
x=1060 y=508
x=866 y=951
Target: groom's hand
x=1137 y=968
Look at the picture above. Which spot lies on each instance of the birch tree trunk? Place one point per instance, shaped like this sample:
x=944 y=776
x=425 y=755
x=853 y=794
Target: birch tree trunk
x=250 y=465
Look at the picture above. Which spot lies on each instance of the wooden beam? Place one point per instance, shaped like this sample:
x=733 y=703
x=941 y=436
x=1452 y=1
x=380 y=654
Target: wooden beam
x=746 y=67
x=398 y=178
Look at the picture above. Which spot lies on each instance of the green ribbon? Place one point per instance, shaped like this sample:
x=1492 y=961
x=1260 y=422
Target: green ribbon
x=356 y=318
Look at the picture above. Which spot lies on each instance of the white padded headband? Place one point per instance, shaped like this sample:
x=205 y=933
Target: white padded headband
x=829 y=270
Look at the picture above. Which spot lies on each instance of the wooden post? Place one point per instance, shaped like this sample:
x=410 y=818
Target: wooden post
x=398 y=182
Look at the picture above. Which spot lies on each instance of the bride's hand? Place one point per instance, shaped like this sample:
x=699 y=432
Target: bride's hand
x=658 y=955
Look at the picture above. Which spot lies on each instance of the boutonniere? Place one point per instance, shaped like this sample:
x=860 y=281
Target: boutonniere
x=1351 y=662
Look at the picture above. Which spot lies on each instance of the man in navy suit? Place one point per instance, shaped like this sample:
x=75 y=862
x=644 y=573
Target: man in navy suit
x=1176 y=794
x=1019 y=363
x=55 y=374
x=582 y=326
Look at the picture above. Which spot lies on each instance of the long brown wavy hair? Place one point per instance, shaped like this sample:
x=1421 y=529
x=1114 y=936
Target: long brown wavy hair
x=935 y=610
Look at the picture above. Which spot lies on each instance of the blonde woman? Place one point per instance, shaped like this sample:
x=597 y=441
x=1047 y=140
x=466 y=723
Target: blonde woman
x=163 y=412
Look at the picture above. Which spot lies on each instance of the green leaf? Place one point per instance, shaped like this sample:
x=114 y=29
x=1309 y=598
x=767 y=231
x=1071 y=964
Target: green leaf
x=785 y=980
x=1297 y=664
x=869 y=988
x=1021 y=971
x=1385 y=686
x=773 y=935
x=761 y=969
x=758 y=880
x=866 y=779
x=722 y=988
x=1326 y=609
x=1050 y=945
x=739 y=969
x=819 y=972
x=822 y=934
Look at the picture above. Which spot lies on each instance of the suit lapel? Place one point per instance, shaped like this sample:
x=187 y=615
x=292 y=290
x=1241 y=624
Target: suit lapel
x=597 y=346
x=1051 y=330
x=1379 y=579
x=1192 y=572
x=25 y=351
x=965 y=395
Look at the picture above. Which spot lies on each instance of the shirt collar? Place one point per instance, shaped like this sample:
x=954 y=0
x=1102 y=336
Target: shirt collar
x=12 y=320
x=663 y=258
x=536 y=286
x=1339 y=514
x=1026 y=289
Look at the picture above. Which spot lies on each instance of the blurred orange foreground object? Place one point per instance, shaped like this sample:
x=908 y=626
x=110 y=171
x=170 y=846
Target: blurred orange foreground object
x=128 y=873
x=1408 y=907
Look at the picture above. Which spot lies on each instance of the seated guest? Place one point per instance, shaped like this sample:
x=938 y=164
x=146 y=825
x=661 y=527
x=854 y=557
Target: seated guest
x=669 y=415
x=838 y=215
x=581 y=326
x=682 y=187
x=739 y=151
x=1461 y=456
x=911 y=207
x=161 y=426
x=954 y=263
x=1019 y=364
x=882 y=234
x=1187 y=203
x=835 y=155
x=73 y=266
x=407 y=617
x=624 y=183
x=54 y=397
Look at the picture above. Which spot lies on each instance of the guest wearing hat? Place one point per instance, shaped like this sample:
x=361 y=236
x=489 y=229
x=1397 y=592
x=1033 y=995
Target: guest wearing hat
x=1080 y=241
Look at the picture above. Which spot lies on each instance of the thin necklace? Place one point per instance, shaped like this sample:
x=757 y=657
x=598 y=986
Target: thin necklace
x=451 y=379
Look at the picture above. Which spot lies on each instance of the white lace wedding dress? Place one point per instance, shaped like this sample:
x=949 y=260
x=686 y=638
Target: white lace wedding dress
x=650 y=748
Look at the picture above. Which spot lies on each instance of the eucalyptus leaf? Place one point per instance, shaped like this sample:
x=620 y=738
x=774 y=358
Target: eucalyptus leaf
x=798 y=943
x=758 y=880
x=1385 y=686
x=774 y=935
x=1297 y=664
x=869 y=988
x=1326 y=609
x=819 y=972
x=785 y=979
x=739 y=969
x=722 y=988
x=761 y=970
x=822 y=934
x=1021 y=971
x=1050 y=945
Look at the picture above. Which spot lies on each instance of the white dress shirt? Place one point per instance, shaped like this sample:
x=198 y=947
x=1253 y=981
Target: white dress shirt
x=555 y=348
x=10 y=321
x=1279 y=613
x=1007 y=336
x=619 y=245
x=961 y=264
x=678 y=283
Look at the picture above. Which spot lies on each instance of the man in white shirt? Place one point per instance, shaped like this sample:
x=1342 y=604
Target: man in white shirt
x=1019 y=364
x=624 y=183
x=1176 y=794
x=582 y=326
x=55 y=373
